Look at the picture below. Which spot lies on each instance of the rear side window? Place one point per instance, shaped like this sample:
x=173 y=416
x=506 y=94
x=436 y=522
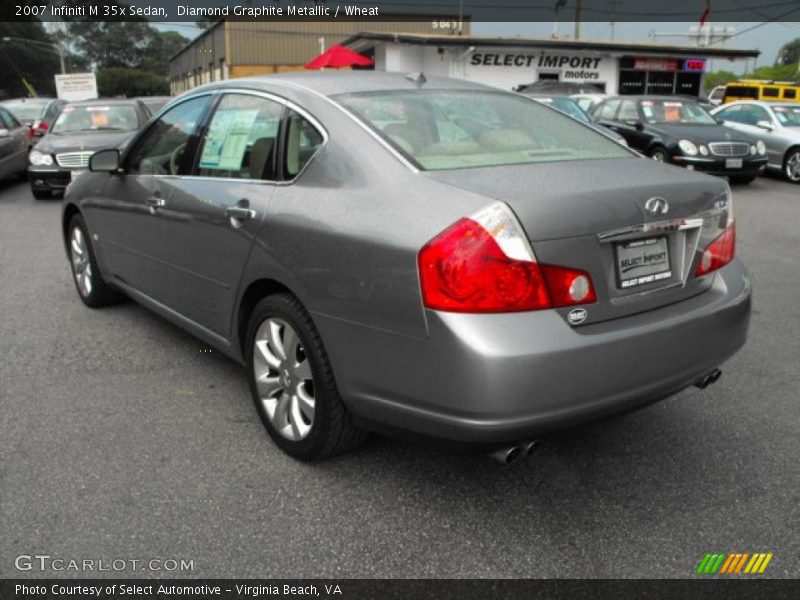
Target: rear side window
x=454 y=129
x=771 y=92
x=242 y=139
x=302 y=142
x=741 y=91
x=790 y=93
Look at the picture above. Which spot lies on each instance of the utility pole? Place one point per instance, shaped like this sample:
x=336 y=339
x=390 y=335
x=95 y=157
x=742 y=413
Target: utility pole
x=577 y=35
x=613 y=6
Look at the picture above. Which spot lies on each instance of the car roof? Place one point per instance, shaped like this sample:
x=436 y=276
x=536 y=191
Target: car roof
x=666 y=97
x=332 y=83
x=106 y=101
x=37 y=100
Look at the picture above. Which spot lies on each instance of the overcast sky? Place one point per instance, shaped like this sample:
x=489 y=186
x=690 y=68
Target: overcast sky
x=767 y=37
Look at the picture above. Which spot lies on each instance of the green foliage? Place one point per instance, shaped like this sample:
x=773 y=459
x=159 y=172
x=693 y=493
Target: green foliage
x=121 y=81
x=780 y=73
x=789 y=54
x=19 y=58
x=716 y=78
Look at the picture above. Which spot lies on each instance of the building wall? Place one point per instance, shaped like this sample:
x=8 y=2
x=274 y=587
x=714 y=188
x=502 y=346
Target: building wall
x=246 y=48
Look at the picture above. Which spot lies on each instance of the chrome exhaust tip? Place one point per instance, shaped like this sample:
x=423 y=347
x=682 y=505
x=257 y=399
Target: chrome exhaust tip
x=506 y=456
x=708 y=379
x=532 y=447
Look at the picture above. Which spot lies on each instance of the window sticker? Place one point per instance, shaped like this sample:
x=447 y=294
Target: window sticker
x=647 y=109
x=226 y=142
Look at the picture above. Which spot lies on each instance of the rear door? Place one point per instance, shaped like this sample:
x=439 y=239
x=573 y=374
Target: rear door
x=13 y=144
x=212 y=216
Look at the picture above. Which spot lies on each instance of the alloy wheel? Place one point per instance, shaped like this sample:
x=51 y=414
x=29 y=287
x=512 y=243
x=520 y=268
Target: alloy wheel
x=81 y=262
x=284 y=379
x=793 y=167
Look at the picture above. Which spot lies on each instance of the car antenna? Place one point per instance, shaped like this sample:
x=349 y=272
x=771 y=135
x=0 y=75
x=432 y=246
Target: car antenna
x=418 y=78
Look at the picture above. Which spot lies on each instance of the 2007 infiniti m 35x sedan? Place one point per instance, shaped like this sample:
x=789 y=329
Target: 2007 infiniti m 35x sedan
x=434 y=257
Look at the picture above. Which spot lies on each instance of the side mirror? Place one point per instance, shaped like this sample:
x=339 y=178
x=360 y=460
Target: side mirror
x=105 y=161
x=635 y=123
x=4 y=133
x=765 y=125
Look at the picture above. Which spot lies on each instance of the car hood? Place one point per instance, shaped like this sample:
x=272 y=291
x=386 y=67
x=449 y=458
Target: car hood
x=586 y=197
x=76 y=142
x=701 y=134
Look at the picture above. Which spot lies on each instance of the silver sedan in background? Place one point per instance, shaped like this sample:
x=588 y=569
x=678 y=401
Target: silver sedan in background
x=777 y=124
x=434 y=257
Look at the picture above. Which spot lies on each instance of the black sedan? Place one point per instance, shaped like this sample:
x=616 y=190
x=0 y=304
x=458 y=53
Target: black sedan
x=681 y=132
x=81 y=129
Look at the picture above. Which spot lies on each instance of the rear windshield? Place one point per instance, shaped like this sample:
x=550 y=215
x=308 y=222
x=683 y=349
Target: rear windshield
x=445 y=129
x=26 y=111
x=675 y=112
x=99 y=117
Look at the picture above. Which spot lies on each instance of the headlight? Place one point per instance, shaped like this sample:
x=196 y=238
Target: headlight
x=704 y=150
x=761 y=147
x=40 y=159
x=688 y=147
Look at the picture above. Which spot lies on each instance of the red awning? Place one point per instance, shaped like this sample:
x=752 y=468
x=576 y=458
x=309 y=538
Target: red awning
x=339 y=56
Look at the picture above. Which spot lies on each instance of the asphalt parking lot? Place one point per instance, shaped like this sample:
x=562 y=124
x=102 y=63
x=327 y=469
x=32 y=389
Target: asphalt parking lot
x=124 y=438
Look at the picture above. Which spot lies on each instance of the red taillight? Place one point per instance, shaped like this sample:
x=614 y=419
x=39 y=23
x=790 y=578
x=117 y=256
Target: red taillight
x=719 y=252
x=465 y=269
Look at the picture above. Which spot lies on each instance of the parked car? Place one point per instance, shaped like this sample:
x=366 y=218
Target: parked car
x=81 y=129
x=436 y=257
x=569 y=107
x=37 y=113
x=14 y=139
x=717 y=95
x=681 y=132
x=777 y=124
x=155 y=103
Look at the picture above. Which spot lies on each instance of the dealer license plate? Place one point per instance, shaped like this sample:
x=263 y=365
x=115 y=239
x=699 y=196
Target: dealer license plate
x=640 y=262
x=733 y=163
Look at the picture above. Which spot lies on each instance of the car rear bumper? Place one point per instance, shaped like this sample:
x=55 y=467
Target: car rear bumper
x=492 y=379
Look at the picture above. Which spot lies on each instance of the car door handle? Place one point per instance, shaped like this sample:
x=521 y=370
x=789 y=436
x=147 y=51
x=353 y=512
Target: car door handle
x=155 y=202
x=240 y=213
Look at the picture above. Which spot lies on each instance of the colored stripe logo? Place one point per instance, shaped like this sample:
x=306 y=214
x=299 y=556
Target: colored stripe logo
x=734 y=563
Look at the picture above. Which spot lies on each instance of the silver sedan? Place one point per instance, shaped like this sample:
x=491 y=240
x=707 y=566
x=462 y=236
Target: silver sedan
x=777 y=124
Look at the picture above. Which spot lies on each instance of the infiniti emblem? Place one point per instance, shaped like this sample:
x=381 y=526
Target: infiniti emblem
x=656 y=206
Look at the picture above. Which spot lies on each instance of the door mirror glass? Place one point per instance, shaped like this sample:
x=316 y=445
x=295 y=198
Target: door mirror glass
x=765 y=125
x=105 y=161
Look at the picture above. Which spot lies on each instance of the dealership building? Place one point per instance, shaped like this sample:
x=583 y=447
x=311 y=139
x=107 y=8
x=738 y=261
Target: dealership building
x=613 y=67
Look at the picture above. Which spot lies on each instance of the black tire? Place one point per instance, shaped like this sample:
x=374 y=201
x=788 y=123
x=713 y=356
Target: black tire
x=742 y=179
x=332 y=430
x=789 y=175
x=660 y=154
x=100 y=293
x=41 y=194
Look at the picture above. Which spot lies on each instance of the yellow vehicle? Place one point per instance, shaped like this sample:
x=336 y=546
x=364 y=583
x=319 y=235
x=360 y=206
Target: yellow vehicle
x=760 y=89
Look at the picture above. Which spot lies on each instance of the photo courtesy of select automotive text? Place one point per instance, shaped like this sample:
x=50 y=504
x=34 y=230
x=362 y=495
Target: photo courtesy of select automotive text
x=399 y=299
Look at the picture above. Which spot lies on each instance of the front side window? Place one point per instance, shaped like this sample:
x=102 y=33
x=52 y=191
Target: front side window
x=242 y=139
x=628 y=111
x=607 y=110
x=751 y=114
x=675 y=112
x=97 y=117
x=448 y=129
x=302 y=141
x=167 y=148
x=730 y=114
x=7 y=121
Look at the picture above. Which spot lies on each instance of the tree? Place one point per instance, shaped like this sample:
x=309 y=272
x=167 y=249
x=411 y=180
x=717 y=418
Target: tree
x=120 y=81
x=34 y=62
x=715 y=78
x=162 y=47
x=789 y=54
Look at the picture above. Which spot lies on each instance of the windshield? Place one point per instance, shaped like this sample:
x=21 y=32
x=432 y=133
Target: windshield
x=444 y=129
x=118 y=117
x=788 y=116
x=675 y=112
x=26 y=111
x=569 y=107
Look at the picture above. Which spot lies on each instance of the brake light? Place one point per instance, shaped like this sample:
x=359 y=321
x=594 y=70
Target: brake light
x=484 y=264
x=719 y=252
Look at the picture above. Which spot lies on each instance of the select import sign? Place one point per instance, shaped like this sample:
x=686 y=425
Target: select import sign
x=76 y=86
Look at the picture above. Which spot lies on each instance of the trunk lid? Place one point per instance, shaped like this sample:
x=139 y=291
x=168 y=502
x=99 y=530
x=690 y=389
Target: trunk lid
x=592 y=215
